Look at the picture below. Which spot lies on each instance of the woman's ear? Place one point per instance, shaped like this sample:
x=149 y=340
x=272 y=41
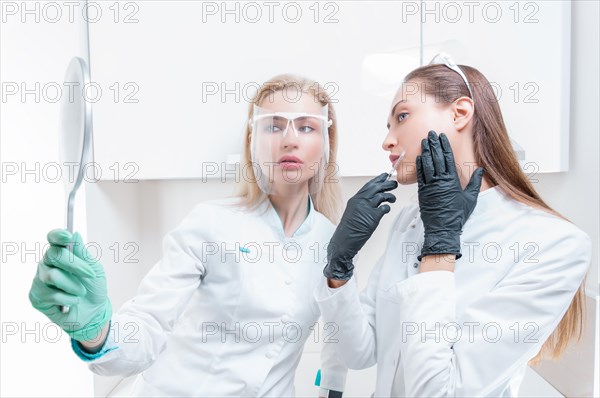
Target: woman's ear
x=462 y=111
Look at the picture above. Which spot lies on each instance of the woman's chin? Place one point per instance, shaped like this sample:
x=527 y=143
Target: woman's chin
x=406 y=179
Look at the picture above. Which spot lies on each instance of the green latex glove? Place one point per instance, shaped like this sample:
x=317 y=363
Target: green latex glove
x=73 y=279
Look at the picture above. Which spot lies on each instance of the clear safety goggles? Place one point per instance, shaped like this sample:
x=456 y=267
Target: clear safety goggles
x=302 y=124
x=289 y=147
x=445 y=59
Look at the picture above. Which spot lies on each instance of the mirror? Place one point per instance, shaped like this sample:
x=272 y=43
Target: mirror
x=75 y=131
x=75 y=134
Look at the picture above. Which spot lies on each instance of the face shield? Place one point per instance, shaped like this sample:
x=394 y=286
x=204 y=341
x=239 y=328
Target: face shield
x=289 y=148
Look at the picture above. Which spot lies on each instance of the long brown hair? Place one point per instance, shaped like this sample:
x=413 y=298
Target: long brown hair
x=327 y=200
x=493 y=152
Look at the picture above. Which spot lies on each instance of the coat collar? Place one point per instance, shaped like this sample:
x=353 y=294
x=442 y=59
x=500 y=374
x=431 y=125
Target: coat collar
x=491 y=199
x=269 y=214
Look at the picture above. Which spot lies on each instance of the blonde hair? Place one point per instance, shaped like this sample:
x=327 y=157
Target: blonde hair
x=327 y=200
x=493 y=152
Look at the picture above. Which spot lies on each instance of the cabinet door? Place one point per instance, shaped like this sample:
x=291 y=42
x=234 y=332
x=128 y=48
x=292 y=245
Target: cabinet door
x=523 y=48
x=176 y=78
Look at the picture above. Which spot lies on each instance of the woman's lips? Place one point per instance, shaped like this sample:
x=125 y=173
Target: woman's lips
x=393 y=158
x=290 y=162
x=290 y=165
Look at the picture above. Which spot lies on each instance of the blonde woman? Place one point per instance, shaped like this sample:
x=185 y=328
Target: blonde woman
x=228 y=308
x=479 y=278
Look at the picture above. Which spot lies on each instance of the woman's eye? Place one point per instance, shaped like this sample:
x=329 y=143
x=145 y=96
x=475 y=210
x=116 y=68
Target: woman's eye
x=306 y=129
x=401 y=116
x=271 y=128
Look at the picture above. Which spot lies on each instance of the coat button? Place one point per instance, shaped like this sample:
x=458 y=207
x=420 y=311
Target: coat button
x=415 y=265
x=270 y=354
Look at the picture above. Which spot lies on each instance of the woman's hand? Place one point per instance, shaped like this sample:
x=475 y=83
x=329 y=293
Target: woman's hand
x=444 y=206
x=360 y=219
x=74 y=279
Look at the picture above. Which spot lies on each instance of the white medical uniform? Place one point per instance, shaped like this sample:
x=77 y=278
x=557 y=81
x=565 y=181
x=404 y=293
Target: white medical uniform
x=227 y=309
x=518 y=274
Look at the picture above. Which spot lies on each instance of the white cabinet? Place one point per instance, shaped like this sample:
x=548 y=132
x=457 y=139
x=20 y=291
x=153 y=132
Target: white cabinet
x=194 y=74
x=176 y=77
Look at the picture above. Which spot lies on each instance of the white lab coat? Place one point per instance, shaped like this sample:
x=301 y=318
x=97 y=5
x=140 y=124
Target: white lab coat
x=227 y=309
x=518 y=274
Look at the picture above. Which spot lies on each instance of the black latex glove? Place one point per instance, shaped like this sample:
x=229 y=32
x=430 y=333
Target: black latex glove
x=444 y=206
x=360 y=219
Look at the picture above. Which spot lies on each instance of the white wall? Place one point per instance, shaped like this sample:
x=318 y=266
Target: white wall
x=35 y=359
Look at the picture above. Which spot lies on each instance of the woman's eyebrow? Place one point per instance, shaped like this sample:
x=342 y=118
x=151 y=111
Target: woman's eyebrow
x=395 y=105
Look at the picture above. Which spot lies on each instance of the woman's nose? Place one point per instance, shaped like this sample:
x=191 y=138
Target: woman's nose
x=289 y=138
x=292 y=144
x=389 y=143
